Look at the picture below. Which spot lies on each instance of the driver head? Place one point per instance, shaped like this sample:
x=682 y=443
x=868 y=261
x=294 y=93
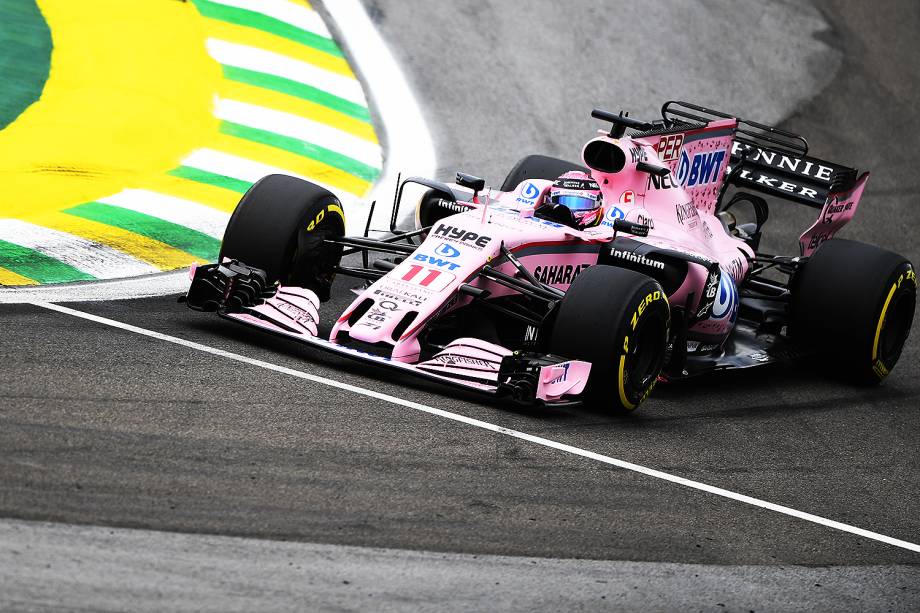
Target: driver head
x=580 y=197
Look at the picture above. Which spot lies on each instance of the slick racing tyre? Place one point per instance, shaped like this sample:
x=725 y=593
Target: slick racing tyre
x=854 y=304
x=280 y=226
x=618 y=320
x=538 y=167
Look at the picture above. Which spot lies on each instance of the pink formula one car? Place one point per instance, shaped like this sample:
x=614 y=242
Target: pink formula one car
x=581 y=283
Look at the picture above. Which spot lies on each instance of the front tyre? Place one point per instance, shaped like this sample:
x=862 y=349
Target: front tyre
x=854 y=303
x=617 y=320
x=281 y=225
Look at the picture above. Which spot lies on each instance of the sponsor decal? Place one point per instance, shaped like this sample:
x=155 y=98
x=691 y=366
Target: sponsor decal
x=452 y=205
x=430 y=278
x=817 y=239
x=612 y=214
x=709 y=294
x=638 y=154
x=410 y=298
x=665 y=182
x=377 y=315
x=447 y=251
x=466 y=237
x=562 y=274
x=565 y=373
x=686 y=212
x=436 y=261
x=706 y=231
x=463 y=360
x=529 y=194
x=802 y=167
x=637 y=258
x=649 y=299
x=736 y=266
x=726 y=300
x=669 y=147
x=833 y=209
x=628 y=197
x=295 y=313
x=702 y=169
x=760 y=178
x=579 y=184
x=645 y=220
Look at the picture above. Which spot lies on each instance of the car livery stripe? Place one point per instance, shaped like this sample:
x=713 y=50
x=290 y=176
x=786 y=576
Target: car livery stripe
x=167 y=142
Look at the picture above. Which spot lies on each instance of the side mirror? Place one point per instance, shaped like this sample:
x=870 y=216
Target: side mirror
x=621 y=225
x=474 y=183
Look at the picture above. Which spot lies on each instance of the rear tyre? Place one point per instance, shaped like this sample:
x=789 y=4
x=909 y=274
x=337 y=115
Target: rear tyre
x=854 y=303
x=618 y=320
x=280 y=226
x=538 y=167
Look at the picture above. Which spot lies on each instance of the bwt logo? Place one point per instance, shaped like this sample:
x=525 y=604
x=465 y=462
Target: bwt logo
x=447 y=251
x=530 y=191
x=702 y=170
x=430 y=259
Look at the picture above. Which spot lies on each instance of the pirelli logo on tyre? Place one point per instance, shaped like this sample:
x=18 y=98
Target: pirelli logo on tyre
x=649 y=299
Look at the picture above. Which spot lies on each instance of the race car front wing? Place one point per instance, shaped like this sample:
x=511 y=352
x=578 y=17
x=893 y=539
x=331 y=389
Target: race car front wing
x=240 y=293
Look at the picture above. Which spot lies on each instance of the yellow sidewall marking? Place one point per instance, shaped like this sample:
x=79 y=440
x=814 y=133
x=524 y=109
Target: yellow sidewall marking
x=8 y=277
x=621 y=378
x=881 y=320
x=222 y=30
x=130 y=92
x=233 y=90
x=159 y=254
x=334 y=208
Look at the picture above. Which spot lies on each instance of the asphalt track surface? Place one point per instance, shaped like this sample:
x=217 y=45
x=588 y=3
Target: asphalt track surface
x=105 y=427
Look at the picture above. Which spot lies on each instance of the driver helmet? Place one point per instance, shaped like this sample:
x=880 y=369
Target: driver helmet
x=577 y=192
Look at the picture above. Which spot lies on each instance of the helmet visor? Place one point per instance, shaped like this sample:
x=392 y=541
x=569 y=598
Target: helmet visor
x=577 y=203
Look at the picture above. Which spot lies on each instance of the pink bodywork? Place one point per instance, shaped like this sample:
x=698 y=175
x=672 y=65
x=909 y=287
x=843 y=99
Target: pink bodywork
x=839 y=209
x=678 y=208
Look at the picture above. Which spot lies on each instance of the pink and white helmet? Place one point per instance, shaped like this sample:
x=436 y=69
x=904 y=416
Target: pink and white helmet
x=580 y=194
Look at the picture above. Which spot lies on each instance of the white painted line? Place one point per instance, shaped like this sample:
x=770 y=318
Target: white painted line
x=269 y=62
x=96 y=259
x=409 y=149
x=300 y=128
x=590 y=455
x=290 y=13
x=179 y=211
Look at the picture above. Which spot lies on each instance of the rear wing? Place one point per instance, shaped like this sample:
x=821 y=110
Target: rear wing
x=767 y=159
x=772 y=161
